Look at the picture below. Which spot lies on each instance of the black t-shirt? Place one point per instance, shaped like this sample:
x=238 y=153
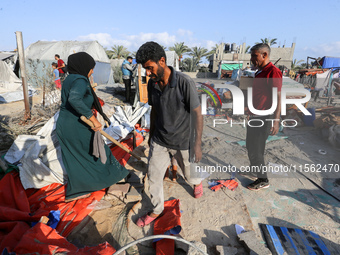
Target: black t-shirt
x=173 y=107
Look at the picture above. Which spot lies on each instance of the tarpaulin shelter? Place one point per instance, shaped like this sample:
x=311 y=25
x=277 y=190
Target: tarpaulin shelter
x=330 y=62
x=10 y=84
x=39 y=57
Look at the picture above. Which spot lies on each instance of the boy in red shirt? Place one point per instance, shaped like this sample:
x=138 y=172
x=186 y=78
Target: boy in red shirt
x=61 y=65
x=267 y=77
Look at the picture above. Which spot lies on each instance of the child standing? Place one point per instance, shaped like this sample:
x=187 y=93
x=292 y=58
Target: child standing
x=56 y=75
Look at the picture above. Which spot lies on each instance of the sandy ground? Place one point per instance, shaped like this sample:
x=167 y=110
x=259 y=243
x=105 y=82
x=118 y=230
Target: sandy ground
x=293 y=200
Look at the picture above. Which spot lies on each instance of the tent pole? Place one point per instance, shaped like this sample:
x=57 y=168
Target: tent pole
x=20 y=46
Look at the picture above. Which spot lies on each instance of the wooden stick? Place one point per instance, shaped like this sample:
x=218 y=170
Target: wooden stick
x=88 y=122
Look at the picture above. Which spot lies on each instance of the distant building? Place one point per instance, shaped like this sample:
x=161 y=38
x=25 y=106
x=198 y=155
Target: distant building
x=232 y=54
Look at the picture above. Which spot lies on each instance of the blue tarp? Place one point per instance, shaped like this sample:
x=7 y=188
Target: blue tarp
x=330 y=62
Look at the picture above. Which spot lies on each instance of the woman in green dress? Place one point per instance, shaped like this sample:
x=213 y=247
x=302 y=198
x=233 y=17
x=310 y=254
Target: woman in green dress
x=86 y=173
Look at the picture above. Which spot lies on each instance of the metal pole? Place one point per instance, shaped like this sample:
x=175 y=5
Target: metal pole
x=20 y=46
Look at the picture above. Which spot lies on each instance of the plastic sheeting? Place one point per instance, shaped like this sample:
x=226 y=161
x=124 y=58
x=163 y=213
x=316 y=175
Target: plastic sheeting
x=40 y=55
x=330 y=62
x=39 y=156
x=168 y=224
x=20 y=208
x=124 y=120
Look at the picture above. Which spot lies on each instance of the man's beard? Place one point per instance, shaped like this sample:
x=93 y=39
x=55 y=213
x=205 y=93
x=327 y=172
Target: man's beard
x=159 y=76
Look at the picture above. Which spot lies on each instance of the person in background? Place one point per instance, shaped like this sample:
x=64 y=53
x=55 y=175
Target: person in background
x=266 y=78
x=56 y=77
x=127 y=70
x=60 y=67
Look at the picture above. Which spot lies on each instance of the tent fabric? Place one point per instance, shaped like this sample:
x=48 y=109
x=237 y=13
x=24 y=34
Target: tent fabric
x=19 y=208
x=40 y=55
x=8 y=77
x=42 y=239
x=44 y=50
x=10 y=85
x=40 y=157
x=330 y=62
x=172 y=59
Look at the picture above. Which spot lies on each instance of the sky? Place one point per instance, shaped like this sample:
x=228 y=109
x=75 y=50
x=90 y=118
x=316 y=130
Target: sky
x=311 y=24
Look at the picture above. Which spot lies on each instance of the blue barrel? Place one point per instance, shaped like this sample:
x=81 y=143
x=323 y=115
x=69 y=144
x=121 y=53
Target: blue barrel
x=308 y=119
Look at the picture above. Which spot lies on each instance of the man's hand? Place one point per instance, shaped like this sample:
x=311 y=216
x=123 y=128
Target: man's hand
x=275 y=128
x=198 y=153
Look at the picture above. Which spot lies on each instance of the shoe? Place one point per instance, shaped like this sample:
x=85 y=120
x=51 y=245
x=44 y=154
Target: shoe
x=198 y=190
x=259 y=184
x=145 y=220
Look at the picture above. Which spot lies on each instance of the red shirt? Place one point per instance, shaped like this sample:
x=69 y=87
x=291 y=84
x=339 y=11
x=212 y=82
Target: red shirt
x=265 y=80
x=60 y=63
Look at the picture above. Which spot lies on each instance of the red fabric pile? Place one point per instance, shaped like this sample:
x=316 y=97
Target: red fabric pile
x=18 y=208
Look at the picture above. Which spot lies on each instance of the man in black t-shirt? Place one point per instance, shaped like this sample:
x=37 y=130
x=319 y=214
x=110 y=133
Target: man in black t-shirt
x=175 y=106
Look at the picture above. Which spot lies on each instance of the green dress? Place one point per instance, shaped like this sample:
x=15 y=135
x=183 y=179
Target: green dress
x=86 y=173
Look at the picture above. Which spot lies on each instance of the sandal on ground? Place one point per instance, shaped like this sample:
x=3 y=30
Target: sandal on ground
x=145 y=220
x=198 y=191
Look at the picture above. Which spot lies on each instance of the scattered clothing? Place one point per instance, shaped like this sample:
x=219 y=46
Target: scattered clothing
x=98 y=147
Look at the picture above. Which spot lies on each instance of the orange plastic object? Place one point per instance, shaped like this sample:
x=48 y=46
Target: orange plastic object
x=121 y=155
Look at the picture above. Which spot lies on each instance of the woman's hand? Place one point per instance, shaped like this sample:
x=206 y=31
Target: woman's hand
x=96 y=123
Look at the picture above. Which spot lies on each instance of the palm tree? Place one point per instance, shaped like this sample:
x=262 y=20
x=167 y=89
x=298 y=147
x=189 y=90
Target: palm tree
x=109 y=53
x=189 y=64
x=198 y=53
x=119 y=51
x=213 y=50
x=180 y=49
x=268 y=41
x=295 y=64
x=133 y=54
x=247 y=49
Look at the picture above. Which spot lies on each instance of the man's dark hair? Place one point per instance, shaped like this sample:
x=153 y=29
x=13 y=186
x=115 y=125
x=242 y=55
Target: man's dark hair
x=261 y=47
x=56 y=55
x=150 y=51
x=129 y=57
x=54 y=64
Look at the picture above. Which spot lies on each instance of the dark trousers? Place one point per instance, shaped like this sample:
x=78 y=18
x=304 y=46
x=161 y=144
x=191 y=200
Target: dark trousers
x=127 y=83
x=256 y=143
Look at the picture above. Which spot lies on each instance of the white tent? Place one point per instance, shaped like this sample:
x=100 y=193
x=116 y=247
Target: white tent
x=40 y=55
x=172 y=59
x=10 y=84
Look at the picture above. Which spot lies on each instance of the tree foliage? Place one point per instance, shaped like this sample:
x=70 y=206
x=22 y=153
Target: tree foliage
x=180 y=49
x=295 y=64
x=268 y=41
x=117 y=51
x=189 y=64
x=198 y=53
